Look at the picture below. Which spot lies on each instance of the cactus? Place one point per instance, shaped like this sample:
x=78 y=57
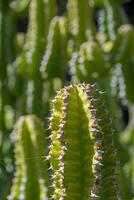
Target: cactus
x=28 y=62
x=6 y=33
x=31 y=169
x=40 y=15
x=66 y=42
x=123 y=46
x=81 y=26
x=110 y=17
x=55 y=58
x=82 y=153
x=85 y=66
x=122 y=52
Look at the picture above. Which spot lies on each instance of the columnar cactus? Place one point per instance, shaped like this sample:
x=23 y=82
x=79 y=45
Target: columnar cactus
x=55 y=57
x=28 y=62
x=40 y=15
x=82 y=153
x=121 y=53
x=81 y=26
x=110 y=17
x=85 y=65
x=127 y=139
x=31 y=171
x=123 y=45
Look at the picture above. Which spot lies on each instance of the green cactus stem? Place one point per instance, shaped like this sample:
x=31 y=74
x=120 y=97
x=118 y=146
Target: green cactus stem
x=85 y=65
x=123 y=46
x=28 y=62
x=31 y=170
x=54 y=60
x=40 y=14
x=127 y=140
x=82 y=153
x=6 y=33
x=81 y=26
x=122 y=53
x=109 y=21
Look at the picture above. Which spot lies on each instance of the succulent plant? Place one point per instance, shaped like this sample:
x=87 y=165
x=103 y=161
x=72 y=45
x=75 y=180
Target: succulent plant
x=85 y=64
x=55 y=58
x=30 y=178
x=66 y=42
x=82 y=153
x=81 y=26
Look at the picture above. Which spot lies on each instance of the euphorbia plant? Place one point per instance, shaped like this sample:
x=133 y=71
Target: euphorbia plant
x=82 y=152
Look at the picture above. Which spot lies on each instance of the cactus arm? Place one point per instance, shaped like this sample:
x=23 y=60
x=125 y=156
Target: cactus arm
x=20 y=173
x=128 y=74
x=19 y=6
x=31 y=173
x=122 y=53
x=109 y=169
x=106 y=24
x=40 y=15
x=110 y=17
x=34 y=45
x=78 y=141
x=55 y=56
x=30 y=176
x=86 y=28
x=47 y=12
x=54 y=62
x=127 y=140
x=28 y=63
x=6 y=46
x=80 y=22
x=123 y=45
x=86 y=65
x=70 y=136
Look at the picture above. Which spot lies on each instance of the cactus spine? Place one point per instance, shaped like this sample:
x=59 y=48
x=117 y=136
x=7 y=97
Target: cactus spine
x=82 y=153
x=30 y=176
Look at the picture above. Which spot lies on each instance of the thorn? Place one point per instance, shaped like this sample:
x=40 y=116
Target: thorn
x=98 y=158
x=61 y=126
x=94 y=130
x=92 y=85
x=94 y=126
x=47 y=157
x=90 y=106
x=90 y=97
x=93 y=111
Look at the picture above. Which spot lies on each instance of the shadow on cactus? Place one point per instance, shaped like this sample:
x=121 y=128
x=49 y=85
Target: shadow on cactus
x=82 y=153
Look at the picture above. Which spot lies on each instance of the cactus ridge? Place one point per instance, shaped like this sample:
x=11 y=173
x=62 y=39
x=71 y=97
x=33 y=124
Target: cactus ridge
x=81 y=157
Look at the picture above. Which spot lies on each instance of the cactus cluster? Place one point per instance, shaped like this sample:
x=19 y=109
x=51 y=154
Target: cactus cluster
x=66 y=43
x=82 y=161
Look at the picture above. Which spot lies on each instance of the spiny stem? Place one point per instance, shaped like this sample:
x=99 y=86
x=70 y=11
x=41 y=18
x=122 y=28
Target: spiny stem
x=83 y=161
x=31 y=169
